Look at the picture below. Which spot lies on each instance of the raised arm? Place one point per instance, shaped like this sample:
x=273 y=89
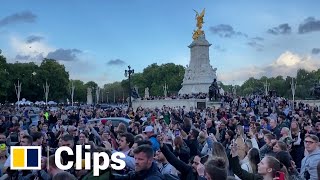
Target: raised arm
x=236 y=168
x=174 y=161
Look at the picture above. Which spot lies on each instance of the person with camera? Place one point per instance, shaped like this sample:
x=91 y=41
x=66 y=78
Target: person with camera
x=312 y=158
x=269 y=168
x=187 y=172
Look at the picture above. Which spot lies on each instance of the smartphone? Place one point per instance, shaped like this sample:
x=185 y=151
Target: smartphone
x=177 y=132
x=280 y=175
x=246 y=129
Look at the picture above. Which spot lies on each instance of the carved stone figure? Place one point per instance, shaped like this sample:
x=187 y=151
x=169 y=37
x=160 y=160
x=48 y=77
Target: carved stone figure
x=89 y=95
x=146 y=92
x=214 y=90
x=315 y=91
x=134 y=93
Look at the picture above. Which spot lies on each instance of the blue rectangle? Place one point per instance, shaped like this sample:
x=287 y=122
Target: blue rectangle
x=32 y=157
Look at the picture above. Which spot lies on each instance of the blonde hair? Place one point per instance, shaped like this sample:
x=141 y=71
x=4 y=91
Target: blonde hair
x=287 y=130
x=202 y=136
x=241 y=130
x=296 y=130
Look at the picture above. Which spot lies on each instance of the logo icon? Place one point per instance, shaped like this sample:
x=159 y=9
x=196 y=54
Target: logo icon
x=25 y=157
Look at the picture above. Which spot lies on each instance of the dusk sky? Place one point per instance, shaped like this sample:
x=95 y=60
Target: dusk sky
x=96 y=40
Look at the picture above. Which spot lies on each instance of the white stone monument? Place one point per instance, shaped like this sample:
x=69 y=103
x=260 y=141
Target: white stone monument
x=97 y=94
x=146 y=93
x=199 y=74
x=89 y=95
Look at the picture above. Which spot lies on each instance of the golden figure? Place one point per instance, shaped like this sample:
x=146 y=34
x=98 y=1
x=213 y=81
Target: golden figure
x=200 y=22
x=199 y=18
x=197 y=33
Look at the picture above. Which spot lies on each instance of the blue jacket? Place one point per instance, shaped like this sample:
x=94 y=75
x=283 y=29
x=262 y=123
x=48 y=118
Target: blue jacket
x=309 y=163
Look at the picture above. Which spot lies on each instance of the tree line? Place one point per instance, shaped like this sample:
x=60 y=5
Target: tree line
x=304 y=82
x=33 y=77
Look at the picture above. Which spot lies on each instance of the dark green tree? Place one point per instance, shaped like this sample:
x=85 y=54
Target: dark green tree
x=58 y=78
x=27 y=74
x=155 y=77
x=4 y=78
x=114 y=92
x=80 y=91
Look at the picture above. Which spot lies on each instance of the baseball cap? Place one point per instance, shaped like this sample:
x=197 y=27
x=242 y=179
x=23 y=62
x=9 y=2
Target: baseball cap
x=161 y=117
x=104 y=121
x=148 y=129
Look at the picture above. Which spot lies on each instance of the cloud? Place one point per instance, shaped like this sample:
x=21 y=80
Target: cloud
x=20 y=46
x=281 y=29
x=82 y=70
x=309 y=25
x=23 y=51
x=315 y=51
x=29 y=58
x=256 y=45
x=22 y=17
x=219 y=48
x=33 y=38
x=64 y=54
x=39 y=50
x=227 y=31
x=116 y=62
x=286 y=64
x=22 y=57
x=258 y=38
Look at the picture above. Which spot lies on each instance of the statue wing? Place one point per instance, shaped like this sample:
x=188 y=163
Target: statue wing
x=202 y=13
x=197 y=14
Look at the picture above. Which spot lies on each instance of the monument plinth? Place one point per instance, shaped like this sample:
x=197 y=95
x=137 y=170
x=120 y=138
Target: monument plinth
x=199 y=74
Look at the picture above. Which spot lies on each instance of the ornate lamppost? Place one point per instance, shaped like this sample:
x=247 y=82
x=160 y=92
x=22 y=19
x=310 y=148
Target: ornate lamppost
x=266 y=87
x=72 y=87
x=293 y=88
x=128 y=73
x=46 y=88
x=165 y=89
x=18 y=90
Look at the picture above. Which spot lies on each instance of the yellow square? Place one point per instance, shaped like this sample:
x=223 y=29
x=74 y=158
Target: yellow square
x=18 y=158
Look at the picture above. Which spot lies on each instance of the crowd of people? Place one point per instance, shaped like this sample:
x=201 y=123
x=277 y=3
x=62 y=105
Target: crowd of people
x=184 y=96
x=254 y=137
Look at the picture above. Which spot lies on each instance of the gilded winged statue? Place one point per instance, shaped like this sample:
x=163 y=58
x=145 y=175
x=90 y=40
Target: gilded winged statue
x=199 y=18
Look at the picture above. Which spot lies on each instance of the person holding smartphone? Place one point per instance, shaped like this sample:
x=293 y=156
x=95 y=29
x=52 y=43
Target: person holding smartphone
x=269 y=168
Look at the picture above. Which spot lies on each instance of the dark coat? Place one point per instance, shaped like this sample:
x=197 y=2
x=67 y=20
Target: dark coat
x=242 y=174
x=151 y=174
x=183 y=168
x=193 y=145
